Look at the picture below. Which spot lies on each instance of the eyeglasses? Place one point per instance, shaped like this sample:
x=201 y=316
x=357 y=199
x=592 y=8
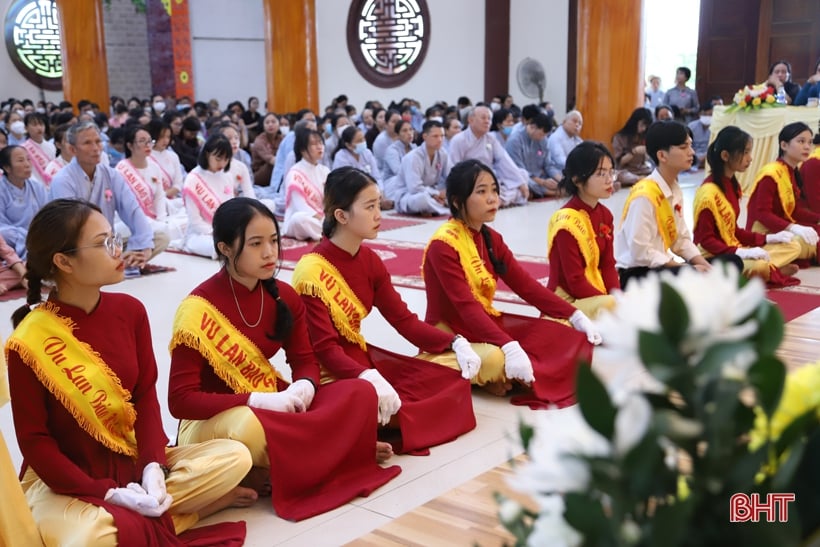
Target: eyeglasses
x=112 y=244
x=144 y=143
x=606 y=173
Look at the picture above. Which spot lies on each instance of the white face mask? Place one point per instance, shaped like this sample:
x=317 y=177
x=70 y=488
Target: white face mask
x=18 y=127
x=21 y=112
x=284 y=129
x=438 y=119
x=360 y=148
x=40 y=110
x=159 y=107
x=706 y=120
x=494 y=106
x=340 y=129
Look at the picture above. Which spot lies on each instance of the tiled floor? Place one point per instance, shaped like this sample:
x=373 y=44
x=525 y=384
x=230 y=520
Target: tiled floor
x=422 y=478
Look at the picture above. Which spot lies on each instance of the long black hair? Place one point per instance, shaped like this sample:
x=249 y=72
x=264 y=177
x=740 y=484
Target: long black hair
x=733 y=141
x=460 y=184
x=341 y=189
x=230 y=221
x=54 y=229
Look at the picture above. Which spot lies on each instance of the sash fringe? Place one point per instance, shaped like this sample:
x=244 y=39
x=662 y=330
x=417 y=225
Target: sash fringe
x=310 y=289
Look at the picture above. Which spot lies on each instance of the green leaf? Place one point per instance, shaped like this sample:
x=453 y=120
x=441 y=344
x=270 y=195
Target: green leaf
x=716 y=356
x=596 y=406
x=768 y=375
x=785 y=471
x=586 y=515
x=673 y=315
x=678 y=429
x=770 y=332
x=526 y=432
x=670 y=523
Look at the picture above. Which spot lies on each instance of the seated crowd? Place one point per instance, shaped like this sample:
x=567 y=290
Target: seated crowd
x=96 y=465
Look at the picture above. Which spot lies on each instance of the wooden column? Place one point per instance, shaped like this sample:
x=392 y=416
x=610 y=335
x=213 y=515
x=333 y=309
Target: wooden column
x=609 y=65
x=496 y=48
x=85 y=70
x=291 y=67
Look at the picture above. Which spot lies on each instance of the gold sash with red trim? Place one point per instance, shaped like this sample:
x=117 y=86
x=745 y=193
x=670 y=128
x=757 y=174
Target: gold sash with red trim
x=142 y=190
x=481 y=282
x=77 y=377
x=579 y=226
x=664 y=217
x=203 y=197
x=780 y=174
x=39 y=159
x=315 y=276
x=710 y=198
x=237 y=361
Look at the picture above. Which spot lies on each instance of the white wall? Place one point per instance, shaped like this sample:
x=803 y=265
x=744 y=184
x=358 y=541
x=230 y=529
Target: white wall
x=538 y=29
x=453 y=66
x=12 y=83
x=228 y=50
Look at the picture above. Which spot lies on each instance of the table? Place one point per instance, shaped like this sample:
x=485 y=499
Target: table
x=763 y=125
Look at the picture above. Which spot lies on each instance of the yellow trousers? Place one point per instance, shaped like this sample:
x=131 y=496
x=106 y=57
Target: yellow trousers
x=238 y=423
x=17 y=526
x=591 y=305
x=807 y=251
x=492 y=360
x=780 y=254
x=200 y=475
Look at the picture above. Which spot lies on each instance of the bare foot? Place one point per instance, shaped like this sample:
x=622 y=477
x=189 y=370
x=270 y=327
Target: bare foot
x=499 y=389
x=238 y=497
x=258 y=480
x=384 y=451
x=386 y=204
x=789 y=269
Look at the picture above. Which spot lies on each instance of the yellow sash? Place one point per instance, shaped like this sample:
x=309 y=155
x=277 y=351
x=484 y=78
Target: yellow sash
x=579 y=226
x=315 y=276
x=709 y=197
x=780 y=173
x=482 y=284
x=815 y=153
x=235 y=359
x=77 y=377
x=649 y=189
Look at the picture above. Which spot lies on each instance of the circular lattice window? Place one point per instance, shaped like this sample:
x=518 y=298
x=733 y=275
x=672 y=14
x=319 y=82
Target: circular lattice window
x=387 y=39
x=32 y=29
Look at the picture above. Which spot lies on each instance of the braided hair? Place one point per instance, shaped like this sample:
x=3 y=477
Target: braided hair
x=54 y=229
x=460 y=184
x=230 y=221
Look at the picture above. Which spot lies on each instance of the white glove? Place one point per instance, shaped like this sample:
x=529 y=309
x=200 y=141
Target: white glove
x=581 y=322
x=389 y=402
x=153 y=481
x=282 y=401
x=806 y=232
x=752 y=253
x=304 y=390
x=780 y=237
x=135 y=497
x=517 y=363
x=468 y=360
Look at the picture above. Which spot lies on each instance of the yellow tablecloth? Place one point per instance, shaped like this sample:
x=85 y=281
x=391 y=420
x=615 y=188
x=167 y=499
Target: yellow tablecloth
x=763 y=125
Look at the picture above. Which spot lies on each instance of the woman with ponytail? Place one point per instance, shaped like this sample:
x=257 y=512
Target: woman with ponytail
x=717 y=206
x=775 y=201
x=312 y=449
x=340 y=283
x=462 y=264
x=96 y=470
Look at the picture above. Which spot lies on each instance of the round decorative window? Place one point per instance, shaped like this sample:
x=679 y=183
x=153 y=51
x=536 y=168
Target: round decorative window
x=32 y=31
x=387 y=39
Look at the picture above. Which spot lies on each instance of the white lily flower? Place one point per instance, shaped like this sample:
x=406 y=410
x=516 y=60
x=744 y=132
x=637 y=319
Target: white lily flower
x=509 y=511
x=551 y=529
x=631 y=422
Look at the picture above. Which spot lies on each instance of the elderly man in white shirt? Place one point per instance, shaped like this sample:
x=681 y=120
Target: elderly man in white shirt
x=477 y=143
x=562 y=141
